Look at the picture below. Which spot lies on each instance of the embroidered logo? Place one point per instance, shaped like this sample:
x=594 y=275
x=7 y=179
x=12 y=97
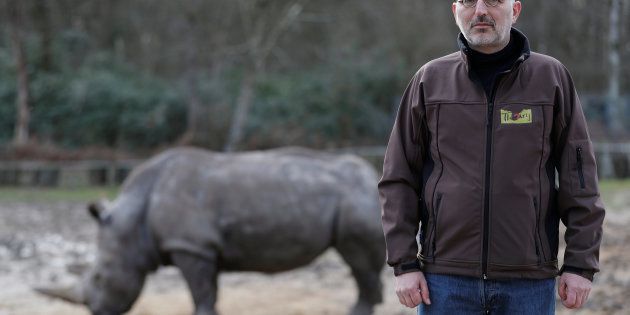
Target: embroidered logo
x=524 y=117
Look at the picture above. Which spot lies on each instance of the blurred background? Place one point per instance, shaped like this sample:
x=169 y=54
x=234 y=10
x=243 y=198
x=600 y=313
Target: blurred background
x=89 y=89
x=135 y=76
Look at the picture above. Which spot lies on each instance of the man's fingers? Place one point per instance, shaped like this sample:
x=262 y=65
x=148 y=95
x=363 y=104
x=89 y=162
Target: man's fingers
x=562 y=290
x=406 y=301
x=425 y=292
x=578 y=299
x=575 y=290
x=416 y=298
x=407 y=288
x=571 y=299
x=400 y=298
x=409 y=298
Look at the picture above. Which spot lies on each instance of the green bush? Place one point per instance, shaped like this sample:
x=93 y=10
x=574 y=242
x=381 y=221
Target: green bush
x=102 y=103
x=106 y=102
x=346 y=105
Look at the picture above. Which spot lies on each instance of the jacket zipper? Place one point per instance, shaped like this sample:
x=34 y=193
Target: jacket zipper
x=435 y=213
x=579 y=166
x=537 y=239
x=486 y=207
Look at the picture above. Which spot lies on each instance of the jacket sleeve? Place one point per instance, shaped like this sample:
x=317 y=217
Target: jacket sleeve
x=579 y=204
x=400 y=186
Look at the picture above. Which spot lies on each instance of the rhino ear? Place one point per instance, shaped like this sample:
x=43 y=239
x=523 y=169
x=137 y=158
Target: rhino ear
x=96 y=211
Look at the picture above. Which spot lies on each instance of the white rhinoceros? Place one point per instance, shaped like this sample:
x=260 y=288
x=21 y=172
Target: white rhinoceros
x=208 y=212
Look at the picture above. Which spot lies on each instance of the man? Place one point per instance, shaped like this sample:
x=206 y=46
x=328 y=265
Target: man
x=473 y=156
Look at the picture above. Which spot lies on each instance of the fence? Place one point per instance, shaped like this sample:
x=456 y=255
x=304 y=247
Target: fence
x=613 y=159
x=613 y=162
x=65 y=173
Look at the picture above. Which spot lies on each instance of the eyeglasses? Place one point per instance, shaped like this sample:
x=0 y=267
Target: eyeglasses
x=472 y=3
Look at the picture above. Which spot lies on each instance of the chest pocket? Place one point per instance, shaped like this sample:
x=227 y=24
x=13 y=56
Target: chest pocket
x=521 y=143
x=520 y=125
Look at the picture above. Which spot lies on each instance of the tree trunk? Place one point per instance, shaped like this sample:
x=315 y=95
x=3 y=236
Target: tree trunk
x=42 y=19
x=262 y=42
x=21 y=135
x=239 y=118
x=614 y=101
x=195 y=118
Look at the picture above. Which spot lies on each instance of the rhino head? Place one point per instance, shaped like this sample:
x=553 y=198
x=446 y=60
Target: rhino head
x=113 y=284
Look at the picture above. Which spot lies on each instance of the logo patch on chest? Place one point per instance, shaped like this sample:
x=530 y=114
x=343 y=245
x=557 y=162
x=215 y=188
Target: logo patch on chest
x=524 y=117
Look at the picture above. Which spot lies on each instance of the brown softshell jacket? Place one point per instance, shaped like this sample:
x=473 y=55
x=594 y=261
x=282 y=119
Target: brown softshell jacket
x=479 y=173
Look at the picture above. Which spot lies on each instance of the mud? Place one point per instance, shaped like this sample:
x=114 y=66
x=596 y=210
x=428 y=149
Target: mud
x=47 y=243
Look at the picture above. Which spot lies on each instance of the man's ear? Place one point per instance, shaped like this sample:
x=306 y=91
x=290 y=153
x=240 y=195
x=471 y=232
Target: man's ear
x=516 y=10
x=454 y=8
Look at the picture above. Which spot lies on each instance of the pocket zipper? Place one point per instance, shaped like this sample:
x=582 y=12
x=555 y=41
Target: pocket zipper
x=435 y=213
x=578 y=151
x=537 y=235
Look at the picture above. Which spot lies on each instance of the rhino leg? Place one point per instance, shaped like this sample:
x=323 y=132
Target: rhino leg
x=361 y=246
x=201 y=276
x=367 y=277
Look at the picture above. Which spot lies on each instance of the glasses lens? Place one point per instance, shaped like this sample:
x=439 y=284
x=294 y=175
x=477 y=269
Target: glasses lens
x=472 y=3
x=469 y=3
x=492 y=3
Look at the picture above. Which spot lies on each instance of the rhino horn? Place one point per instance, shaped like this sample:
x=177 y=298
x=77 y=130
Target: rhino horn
x=72 y=294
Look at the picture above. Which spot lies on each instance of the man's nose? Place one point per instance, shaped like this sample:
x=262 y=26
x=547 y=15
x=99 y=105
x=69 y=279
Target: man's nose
x=481 y=8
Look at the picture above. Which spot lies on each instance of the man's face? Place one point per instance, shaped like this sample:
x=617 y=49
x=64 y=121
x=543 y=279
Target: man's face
x=487 y=28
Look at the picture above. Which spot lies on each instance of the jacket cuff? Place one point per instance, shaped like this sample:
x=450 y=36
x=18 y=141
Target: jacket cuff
x=586 y=273
x=406 y=267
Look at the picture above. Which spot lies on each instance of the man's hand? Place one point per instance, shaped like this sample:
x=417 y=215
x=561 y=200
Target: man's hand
x=573 y=290
x=412 y=289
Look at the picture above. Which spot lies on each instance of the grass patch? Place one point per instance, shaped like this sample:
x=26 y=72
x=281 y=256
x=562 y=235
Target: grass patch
x=79 y=194
x=615 y=194
x=614 y=185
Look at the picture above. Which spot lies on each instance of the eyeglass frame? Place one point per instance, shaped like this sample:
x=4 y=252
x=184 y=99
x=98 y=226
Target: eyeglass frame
x=485 y=1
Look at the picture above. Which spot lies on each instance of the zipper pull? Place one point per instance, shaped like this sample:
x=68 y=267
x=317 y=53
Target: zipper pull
x=579 y=167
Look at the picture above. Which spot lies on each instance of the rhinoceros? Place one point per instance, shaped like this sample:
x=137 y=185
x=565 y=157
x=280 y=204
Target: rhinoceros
x=206 y=212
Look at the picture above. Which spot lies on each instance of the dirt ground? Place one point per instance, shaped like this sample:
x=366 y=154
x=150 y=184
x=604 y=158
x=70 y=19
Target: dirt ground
x=44 y=242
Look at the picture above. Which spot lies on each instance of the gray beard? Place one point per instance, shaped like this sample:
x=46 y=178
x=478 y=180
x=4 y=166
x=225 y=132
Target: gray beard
x=491 y=38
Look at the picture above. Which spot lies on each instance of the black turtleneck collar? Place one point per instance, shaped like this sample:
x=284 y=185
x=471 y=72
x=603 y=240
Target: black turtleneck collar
x=486 y=67
x=507 y=55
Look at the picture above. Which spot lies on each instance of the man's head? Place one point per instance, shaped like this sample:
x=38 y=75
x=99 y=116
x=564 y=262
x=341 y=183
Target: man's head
x=486 y=24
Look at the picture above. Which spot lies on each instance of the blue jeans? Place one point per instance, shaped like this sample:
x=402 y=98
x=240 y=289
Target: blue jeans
x=466 y=295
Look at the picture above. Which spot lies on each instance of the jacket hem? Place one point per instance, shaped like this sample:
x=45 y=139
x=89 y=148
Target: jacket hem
x=544 y=271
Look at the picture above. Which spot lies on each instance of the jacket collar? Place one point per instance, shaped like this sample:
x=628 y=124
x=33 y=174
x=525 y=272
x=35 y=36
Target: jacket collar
x=517 y=35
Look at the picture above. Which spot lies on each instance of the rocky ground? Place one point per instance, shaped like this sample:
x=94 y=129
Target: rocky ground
x=46 y=242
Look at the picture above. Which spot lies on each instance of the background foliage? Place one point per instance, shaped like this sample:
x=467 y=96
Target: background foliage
x=140 y=74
